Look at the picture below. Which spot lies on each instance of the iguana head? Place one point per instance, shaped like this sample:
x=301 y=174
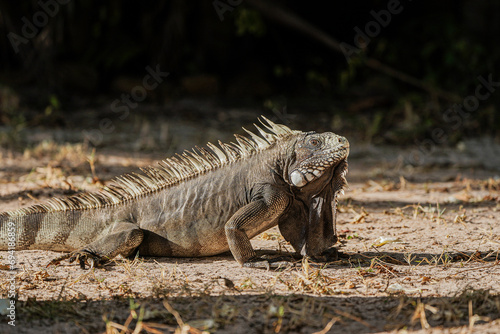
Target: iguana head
x=316 y=154
x=316 y=175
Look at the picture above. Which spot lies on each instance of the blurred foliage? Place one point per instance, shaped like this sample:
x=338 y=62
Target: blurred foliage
x=12 y=135
x=249 y=22
x=87 y=46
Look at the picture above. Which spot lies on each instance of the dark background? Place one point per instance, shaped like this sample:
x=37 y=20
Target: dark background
x=90 y=52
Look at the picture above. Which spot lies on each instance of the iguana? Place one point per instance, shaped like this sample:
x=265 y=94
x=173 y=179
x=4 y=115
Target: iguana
x=199 y=203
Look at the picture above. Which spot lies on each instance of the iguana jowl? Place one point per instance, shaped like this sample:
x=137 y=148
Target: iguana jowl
x=200 y=203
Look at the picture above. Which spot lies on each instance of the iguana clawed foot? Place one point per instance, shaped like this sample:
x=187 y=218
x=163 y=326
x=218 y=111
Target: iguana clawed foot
x=83 y=257
x=330 y=255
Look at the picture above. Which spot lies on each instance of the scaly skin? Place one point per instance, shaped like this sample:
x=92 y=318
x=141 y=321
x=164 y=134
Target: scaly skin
x=292 y=183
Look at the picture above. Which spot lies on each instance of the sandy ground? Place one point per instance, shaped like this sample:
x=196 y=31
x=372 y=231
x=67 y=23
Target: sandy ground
x=419 y=251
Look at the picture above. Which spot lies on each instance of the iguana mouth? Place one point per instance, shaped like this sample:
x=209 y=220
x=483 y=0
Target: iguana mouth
x=314 y=167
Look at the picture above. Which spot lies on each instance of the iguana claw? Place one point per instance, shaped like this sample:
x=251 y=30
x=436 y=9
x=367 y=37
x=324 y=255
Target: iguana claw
x=82 y=256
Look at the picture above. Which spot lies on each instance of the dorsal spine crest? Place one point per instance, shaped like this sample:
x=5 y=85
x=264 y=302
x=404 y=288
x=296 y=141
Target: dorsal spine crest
x=171 y=171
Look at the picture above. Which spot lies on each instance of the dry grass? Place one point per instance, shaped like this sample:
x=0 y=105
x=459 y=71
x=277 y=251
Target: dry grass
x=267 y=313
x=468 y=307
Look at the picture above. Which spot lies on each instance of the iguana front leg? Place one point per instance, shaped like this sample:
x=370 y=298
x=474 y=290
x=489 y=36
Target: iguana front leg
x=252 y=219
x=124 y=238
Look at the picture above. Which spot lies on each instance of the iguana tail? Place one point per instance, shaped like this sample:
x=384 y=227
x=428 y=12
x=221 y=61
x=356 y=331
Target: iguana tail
x=36 y=230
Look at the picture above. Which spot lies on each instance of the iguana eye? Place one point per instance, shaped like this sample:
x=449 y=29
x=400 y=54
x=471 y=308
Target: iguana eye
x=314 y=142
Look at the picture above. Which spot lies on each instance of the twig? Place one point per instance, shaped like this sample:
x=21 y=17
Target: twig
x=394 y=260
x=355 y=318
x=125 y=328
x=478 y=268
x=176 y=314
x=328 y=326
x=118 y=326
x=289 y=19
